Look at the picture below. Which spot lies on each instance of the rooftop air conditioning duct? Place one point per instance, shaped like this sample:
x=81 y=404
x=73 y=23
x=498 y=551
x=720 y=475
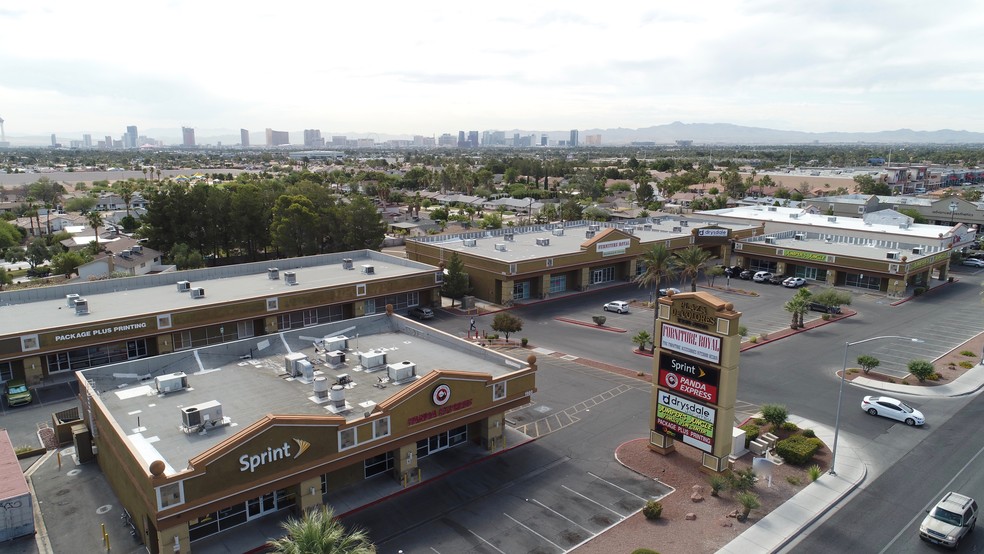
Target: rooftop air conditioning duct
x=558 y=232
x=469 y=242
x=81 y=306
x=347 y=263
x=306 y=369
x=500 y=246
x=321 y=388
x=368 y=269
x=171 y=382
x=290 y=278
x=291 y=362
x=184 y=286
x=401 y=371
x=71 y=298
x=543 y=242
x=198 y=292
x=273 y=273
x=337 y=396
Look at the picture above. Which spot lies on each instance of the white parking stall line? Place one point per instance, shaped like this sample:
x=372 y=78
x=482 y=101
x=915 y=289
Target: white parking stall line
x=483 y=540
x=592 y=501
x=558 y=514
x=435 y=550
x=517 y=522
x=618 y=487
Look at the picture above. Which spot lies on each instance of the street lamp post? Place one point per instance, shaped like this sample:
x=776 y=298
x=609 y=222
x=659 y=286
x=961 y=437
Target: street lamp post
x=840 y=392
x=953 y=209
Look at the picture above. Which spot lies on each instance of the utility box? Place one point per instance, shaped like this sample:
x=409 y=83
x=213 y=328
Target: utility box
x=15 y=497
x=82 y=438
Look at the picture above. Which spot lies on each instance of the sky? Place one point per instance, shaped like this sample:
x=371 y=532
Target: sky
x=432 y=67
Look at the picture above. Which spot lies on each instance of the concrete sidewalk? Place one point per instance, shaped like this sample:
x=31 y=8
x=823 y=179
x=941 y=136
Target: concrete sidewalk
x=968 y=383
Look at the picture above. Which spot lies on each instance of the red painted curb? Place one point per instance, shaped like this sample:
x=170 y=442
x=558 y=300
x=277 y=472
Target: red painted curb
x=790 y=332
x=928 y=291
x=593 y=325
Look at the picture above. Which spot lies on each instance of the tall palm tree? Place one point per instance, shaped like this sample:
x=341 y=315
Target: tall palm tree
x=318 y=532
x=95 y=220
x=658 y=265
x=690 y=262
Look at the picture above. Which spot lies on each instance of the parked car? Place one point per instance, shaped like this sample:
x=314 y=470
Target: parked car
x=762 y=276
x=818 y=307
x=777 y=279
x=892 y=408
x=617 y=306
x=973 y=262
x=734 y=271
x=793 y=282
x=746 y=274
x=668 y=290
x=419 y=312
x=17 y=393
x=953 y=518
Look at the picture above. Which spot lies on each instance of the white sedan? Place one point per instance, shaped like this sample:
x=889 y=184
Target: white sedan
x=793 y=282
x=892 y=408
x=973 y=262
x=617 y=306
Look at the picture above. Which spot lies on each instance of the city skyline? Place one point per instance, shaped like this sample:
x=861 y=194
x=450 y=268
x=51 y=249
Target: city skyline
x=438 y=68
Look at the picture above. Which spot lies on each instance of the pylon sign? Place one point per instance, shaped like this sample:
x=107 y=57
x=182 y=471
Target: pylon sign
x=696 y=376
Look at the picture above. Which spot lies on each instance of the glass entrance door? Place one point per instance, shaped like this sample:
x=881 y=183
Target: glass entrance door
x=257 y=507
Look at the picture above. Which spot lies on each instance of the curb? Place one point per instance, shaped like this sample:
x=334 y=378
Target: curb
x=593 y=325
x=790 y=332
x=928 y=291
x=826 y=509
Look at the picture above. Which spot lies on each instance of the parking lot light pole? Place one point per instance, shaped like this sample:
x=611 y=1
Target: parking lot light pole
x=840 y=393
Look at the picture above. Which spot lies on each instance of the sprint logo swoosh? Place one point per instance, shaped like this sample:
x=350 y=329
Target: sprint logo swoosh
x=302 y=445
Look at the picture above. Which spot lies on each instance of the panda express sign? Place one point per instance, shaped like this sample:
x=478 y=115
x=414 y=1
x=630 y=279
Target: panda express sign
x=689 y=378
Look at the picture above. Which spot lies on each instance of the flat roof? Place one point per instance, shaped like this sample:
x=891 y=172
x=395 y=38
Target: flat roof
x=524 y=245
x=249 y=389
x=43 y=308
x=847 y=246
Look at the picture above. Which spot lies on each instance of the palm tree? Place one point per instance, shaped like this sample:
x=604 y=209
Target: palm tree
x=690 y=262
x=318 y=532
x=798 y=305
x=658 y=265
x=95 y=220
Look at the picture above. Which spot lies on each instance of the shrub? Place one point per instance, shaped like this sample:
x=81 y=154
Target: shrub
x=966 y=365
x=717 y=484
x=748 y=503
x=753 y=340
x=809 y=433
x=793 y=480
x=825 y=317
x=789 y=426
x=740 y=480
x=814 y=472
x=524 y=341
x=644 y=551
x=775 y=414
x=867 y=362
x=599 y=319
x=921 y=369
x=758 y=421
x=742 y=331
x=652 y=509
x=918 y=291
x=751 y=432
x=798 y=449
x=968 y=353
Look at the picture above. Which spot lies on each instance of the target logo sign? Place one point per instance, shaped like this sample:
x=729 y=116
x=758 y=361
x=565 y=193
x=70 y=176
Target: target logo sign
x=441 y=395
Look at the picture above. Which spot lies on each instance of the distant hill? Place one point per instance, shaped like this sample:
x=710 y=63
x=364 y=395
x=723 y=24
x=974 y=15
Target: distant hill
x=718 y=134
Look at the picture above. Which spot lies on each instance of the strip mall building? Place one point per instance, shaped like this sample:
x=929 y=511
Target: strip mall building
x=511 y=265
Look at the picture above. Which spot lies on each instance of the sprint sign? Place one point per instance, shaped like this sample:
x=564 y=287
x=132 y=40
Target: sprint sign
x=689 y=378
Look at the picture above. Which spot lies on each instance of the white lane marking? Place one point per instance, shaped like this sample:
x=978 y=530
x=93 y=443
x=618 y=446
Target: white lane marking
x=593 y=502
x=486 y=542
x=558 y=547
x=435 y=550
x=544 y=506
x=618 y=487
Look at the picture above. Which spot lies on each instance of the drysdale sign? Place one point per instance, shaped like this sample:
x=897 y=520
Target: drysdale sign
x=685 y=420
x=688 y=377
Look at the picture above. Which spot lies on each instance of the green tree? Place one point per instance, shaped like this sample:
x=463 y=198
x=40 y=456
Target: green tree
x=505 y=323
x=690 y=262
x=5 y=278
x=95 y=220
x=9 y=235
x=318 y=532
x=830 y=296
x=37 y=251
x=644 y=193
x=80 y=204
x=775 y=414
x=364 y=229
x=914 y=214
x=491 y=221
x=868 y=363
x=186 y=257
x=867 y=185
x=641 y=339
x=295 y=221
x=455 y=279
x=921 y=369
x=657 y=266
x=798 y=306
x=67 y=263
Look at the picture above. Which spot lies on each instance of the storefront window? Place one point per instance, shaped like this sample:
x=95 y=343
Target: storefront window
x=862 y=281
x=558 y=283
x=442 y=441
x=521 y=290
x=378 y=464
x=603 y=275
x=6 y=371
x=92 y=356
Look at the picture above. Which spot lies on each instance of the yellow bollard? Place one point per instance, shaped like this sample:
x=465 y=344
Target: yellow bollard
x=107 y=543
x=59 y=460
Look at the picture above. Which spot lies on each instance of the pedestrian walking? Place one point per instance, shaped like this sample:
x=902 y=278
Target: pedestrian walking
x=471 y=326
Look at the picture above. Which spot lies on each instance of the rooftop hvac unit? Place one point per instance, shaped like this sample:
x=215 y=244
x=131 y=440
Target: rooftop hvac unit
x=800 y=236
x=589 y=234
x=337 y=395
x=171 y=382
x=338 y=342
x=273 y=273
x=343 y=379
x=307 y=369
x=917 y=250
x=81 y=306
x=136 y=249
x=684 y=223
x=510 y=237
x=200 y=415
x=558 y=232
x=678 y=229
x=794 y=216
x=773 y=209
x=321 y=388
x=71 y=298
x=832 y=219
x=290 y=278
x=401 y=371
x=594 y=227
x=198 y=292
x=334 y=358
x=469 y=242
x=543 y=242
x=347 y=263
x=125 y=253
x=647 y=227
x=372 y=359
x=903 y=225
x=368 y=270
x=770 y=240
x=630 y=229
x=500 y=246
x=291 y=363
x=892 y=255
x=184 y=286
